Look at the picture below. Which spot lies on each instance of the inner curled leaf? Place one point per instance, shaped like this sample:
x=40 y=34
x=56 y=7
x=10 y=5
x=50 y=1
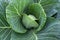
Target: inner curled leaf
x=29 y=21
x=33 y=17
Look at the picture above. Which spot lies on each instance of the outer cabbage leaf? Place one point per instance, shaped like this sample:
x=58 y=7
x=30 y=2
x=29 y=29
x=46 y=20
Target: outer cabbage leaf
x=51 y=31
x=3 y=22
x=13 y=14
x=5 y=34
x=49 y=6
x=58 y=11
x=27 y=36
